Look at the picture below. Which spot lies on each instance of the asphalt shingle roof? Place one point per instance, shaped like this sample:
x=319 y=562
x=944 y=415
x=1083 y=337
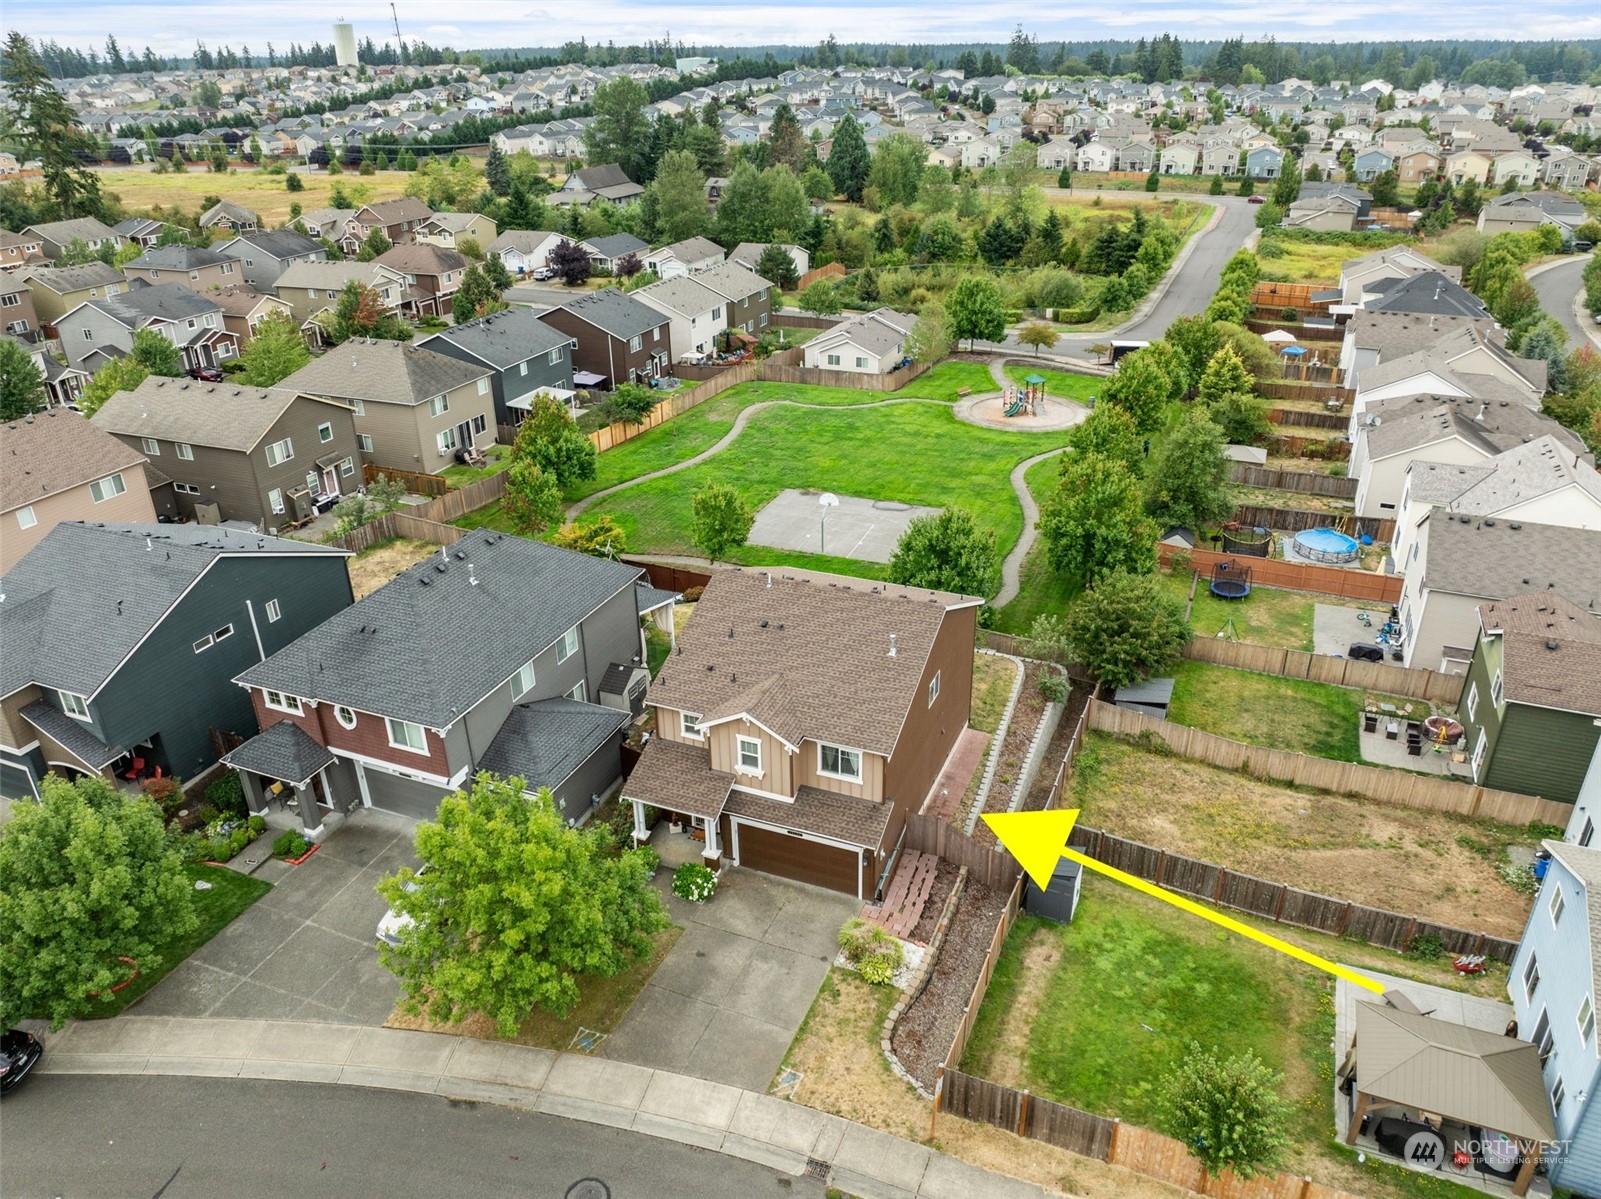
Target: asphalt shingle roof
x=436 y=639
x=1408 y=422
x=163 y=301
x=388 y=372
x=211 y=414
x=282 y=751
x=275 y=243
x=681 y=294
x=66 y=279
x=176 y=258
x=678 y=778
x=1430 y=293
x=1551 y=651
x=542 y=743
x=80 y=600
x=613 y=312
x=616 y=245
x=53 y=451
x=503 y=339
x=1493 y=558
x=74 y=736
x=821 y=813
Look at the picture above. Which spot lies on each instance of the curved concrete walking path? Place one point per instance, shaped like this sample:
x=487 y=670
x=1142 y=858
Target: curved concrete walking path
x=1012 y=564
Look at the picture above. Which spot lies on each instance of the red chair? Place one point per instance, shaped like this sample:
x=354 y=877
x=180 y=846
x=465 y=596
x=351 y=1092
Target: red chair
x=138 y=766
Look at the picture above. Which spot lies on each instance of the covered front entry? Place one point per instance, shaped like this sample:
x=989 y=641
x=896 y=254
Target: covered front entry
x=792 y=856
x=282 y=764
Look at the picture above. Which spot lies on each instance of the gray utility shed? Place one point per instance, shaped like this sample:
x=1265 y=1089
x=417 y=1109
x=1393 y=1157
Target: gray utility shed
x=1151 y=698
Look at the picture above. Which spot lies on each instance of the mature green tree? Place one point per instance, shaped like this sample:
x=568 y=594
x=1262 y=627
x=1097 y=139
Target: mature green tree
x=156 y=354
x=621 y=130
x=1141 y=387
x=1039 y=334
x=848 y=160
x=776 y=266
x=1243 y=418
x=1126 y=629
x=1197 y=339
x=1110 y=432
x=497 y=274
x=497 y=172
x=599 y=537
x=1188 y=482
x=87 y=877
x=1287 y=187
x=373 y=245
x=930 y=339
x=1225 y=374
x=976 y=309
x=360 y=312
x=1385 y=188
x=1095 y=523
x=1227 y=1110
x=276 y=351
x=946 y=552
x=679 y=195
x=743 y=212
x=722 y=520
x=532 y=501
x=476 y=296
x=551 y=439
x=787 y=145
x=630 y=402
x=515 y=908
x=820 y=298
x=21 y=383
x=897 y=169
x=44 y=123
x=120 y=374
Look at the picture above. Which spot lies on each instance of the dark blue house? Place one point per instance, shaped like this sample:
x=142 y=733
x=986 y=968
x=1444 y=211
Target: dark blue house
x=527 y=356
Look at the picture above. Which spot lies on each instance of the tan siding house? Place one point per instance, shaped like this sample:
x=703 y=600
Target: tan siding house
x=58 y=290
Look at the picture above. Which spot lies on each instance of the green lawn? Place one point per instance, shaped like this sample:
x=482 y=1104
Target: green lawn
x=1263 y=709
x=499 y=458
x=1041 y=590
x=913 y=453
x=1268 y=616
x=231 y=893
x=796 y=336
x=1066 y=384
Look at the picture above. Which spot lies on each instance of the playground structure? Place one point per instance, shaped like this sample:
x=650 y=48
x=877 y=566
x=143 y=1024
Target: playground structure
x=1230 y=581
x=1027 y=400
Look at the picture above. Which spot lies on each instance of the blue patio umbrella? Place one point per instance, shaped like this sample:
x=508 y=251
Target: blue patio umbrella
x=1294 y=351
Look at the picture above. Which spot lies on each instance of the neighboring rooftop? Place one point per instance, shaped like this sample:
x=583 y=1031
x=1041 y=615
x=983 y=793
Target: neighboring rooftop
x=379 y=371
x=1493 y=558
x=1551 y=651
x=1491 y=427
x=1428 y=293
x=65 y=279
x=423 y=258
x=55 y=451
x=220 y=415
x=176 y=258
x=277 y=243
x=613 y=312
x=503 y=339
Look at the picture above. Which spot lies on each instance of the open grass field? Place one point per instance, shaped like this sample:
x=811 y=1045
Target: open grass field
x=1041 y=590
x=231 y=893
x=1428 y=864
x=1065 y=384
x=1262 y=709
x=1303 y=262
x=263 y=194
x=916 y=453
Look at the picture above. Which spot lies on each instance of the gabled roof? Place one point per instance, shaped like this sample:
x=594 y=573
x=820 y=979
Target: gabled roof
x=422 y=258
x=379 y=371
x=436 y=639
x=524 y=240
x=544 y=742
x=240 y=299
x=732 y=281
x=503 y=339
x=79 y=602
x=1584 y=863
x=1429 y=292
x=693 y=249
x=1410 y=422
x=219 y=415
x=1439 y=482
x=54 y=451
x=228 y=210
x=282 y=751
x=879 y=331
x=83 y=228
x=808 y=658
x=1527 y=471
x=1551 y=651
x=1396 y=334
x=612 y=312
x=64 y=280
x=274 y=243
x=1442 y=357
x=176 y=258
x=137 y=307
x=393 y=212
x=455 y=222
x=334 y=275
x=1493 y=558
x=607 y=175
x=617 y=245
x=681 y=294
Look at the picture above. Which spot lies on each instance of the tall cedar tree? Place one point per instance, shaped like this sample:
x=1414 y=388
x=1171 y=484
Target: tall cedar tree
x=787 y=146
x=46 y=125
x=497 y=172
x=848 y=160
x=776 y=266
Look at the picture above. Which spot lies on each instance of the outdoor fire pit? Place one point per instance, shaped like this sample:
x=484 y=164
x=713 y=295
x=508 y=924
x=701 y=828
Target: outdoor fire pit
x=1442 y=730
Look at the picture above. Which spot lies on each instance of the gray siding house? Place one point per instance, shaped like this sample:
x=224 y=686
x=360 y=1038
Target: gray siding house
x=524 y=355
x=267 y=254
x=498 y=654
x=98 y=330
x=270 y=457
x=123 y=641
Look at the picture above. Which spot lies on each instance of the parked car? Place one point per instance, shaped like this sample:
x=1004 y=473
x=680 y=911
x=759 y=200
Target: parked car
x=18 y=1052
x=395 y=923
x=1256 y=199
x=544 y=272
x=206 y=374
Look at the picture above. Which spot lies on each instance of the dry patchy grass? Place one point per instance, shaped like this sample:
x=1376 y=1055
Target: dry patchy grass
x=372 y=568
x=992 y=685
x=266 y=195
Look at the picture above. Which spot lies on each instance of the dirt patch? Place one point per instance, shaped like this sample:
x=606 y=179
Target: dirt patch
x=1426 y=864
x=1041 y=956
x=1078 y=698
x=945 y=876
x=373 y=568
x=1013 y=752
x=924 y=1032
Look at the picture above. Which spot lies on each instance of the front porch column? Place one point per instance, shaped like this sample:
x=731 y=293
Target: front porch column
x=713 y=853
x=310 y=816
x=641 y=833
x=255 y=797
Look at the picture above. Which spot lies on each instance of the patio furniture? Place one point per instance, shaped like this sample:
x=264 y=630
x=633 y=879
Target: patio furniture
x=1392 y=730
x=1370 y=722
x=135 y=768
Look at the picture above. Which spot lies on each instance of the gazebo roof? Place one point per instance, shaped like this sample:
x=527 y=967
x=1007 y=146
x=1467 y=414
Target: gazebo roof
x=1476 y=1077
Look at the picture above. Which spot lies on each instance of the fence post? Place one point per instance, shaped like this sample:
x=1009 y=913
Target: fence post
x=1022 y=1114
x=939 y=1090
x=1345 y=919
x=1111 y=1149
x=1306 y=1186
x=1222 y=877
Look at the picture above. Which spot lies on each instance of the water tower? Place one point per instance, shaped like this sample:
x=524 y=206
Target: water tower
x=344 y=43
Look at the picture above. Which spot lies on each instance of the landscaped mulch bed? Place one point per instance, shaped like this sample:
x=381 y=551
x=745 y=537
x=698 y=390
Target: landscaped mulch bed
x=945 y=876
x=924 y=1033
x=1013 y=752
x=1077 y=700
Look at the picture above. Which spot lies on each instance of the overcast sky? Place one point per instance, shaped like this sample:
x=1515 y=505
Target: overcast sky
x=171 y=27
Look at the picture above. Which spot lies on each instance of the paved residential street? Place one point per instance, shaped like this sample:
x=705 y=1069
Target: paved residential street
x=1557 y=287
x=109 y=1137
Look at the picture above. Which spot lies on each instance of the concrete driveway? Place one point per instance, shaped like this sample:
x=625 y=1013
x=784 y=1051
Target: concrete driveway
x=307 y=950
x=730 y=996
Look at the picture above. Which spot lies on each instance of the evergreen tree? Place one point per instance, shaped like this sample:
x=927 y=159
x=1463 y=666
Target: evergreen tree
x=21 y=383
x=620 y=132
x=496 y=171
x=776 y=266
x=47 y=127
x=786 y=144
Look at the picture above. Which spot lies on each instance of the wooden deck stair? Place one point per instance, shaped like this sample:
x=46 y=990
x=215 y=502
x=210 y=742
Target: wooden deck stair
x=907 y=894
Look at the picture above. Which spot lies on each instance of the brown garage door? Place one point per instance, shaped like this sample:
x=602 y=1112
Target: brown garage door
x=797 y=858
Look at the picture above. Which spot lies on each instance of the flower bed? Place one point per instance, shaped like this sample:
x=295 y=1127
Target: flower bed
x=222 y=839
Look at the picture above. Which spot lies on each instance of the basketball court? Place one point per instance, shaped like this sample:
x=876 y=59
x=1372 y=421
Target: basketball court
x=867 y=530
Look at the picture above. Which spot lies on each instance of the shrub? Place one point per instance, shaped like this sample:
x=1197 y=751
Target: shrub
x=166 y=792
x=1520 y=878
x=291 y=843
x=693 y=594
x=1290 y=314
x=874 y=953
x=694 y=882
x=1426 y=948
x=227 y=794
x=1053 y=687
x=650 y=857
x=257 y=824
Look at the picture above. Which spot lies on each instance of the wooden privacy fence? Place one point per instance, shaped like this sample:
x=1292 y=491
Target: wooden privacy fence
x=1399 y=788
x=1310 y=420
x=1287 y=445
x=993 y=867
x=1280 y=902
x=399 y=523
x=670 y=578
x=1429 y=685
x=675 y=404
x=1299 y=576
x=777 y=372
x=1294 y=520
x=797 y=320
x=1303 y=333
x=417 y=484
x=457 y=503
x=1285 y=389
x=981 y=985
x=1304 y=482
x=833 y=270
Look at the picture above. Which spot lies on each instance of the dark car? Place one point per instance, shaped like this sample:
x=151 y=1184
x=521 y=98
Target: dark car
x=1256 y=199
x=206 y=374
x=18 y=1052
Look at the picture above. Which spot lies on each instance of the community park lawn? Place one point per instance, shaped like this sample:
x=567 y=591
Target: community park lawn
x=915 y=453
x=1065 y=384
x=266 y=195
x=230 y=894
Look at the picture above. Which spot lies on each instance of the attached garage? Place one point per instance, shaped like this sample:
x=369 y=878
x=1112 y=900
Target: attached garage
x=793 y=856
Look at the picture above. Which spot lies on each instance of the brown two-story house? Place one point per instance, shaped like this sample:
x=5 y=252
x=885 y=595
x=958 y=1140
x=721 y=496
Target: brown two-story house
x=195 y=268
x=802 y=717
x=619 y=339
x=399 y=221
x=433 y=275
x=20 y=250
x=269 y=457
x=17 y=313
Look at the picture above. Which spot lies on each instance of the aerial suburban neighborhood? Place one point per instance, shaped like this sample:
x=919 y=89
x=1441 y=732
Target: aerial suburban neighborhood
x=1015 y=617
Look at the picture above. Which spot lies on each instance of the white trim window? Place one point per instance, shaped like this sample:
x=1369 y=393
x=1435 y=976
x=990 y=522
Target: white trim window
x=447 y=440
x=438 y=406
x=325 y=432
x=1559 y=1092
x=689 y=725
x=635 y=343
x=1496 y=691
x=1557 y=904
x=74 y=705
x=523 y=681
x=1586 y=1019
x=837 y=762
x=358 y=407
x=480 y=424
x=280 y=452
x=580 y=692
x=748 y=755
x=404 y=734
x=483 y=386
x=26 y=518
x=1472 y=704
x=1479 y=749
x=364 y=440
x=107 y=488
x=150 y=446
x=211 y=639
x=279 y=701
x=345 y=716
x=1531 y=976
x=275 y=500
x=274 y=612
x=933 y=688
x=568 y=645
x=184 y=450
x=833 y=360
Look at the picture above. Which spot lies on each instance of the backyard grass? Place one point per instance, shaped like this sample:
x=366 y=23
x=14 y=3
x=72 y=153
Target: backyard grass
x=1428 y=864
x=499 y=458
x=912 y=453
x=601 y=1007
x=263 y=194
x=796 y=336
x=993 y=677
x=1269 y=616
x=1066 y=384
x=231 y=893
x=1263 y=709
x=376 y=565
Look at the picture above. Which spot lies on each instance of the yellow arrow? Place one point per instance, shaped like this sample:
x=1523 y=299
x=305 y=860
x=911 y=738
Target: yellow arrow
x=1038 y=840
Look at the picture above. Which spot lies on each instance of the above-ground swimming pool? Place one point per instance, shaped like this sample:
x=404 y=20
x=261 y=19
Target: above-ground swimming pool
x=1327 y=545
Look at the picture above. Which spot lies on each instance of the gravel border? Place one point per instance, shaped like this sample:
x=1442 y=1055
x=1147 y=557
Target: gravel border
x=917 y=984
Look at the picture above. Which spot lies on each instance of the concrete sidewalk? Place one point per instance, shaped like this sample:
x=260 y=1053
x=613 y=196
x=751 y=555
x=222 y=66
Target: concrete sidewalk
x=774 y=1132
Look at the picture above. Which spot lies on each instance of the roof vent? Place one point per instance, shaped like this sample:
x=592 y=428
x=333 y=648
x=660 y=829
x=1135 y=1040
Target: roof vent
x=1467 y=520
x=440 y=567
x=1489 y=522
x=1515 y=525
x=425 y=581
x=472 y=577
x=730 y=632
x=892 y=645
x=762 y=624
x=709 y=669
x=1551 y=643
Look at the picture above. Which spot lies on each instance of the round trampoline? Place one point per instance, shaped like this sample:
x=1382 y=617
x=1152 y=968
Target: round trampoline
x=1230 y=581
x=1327 y=545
